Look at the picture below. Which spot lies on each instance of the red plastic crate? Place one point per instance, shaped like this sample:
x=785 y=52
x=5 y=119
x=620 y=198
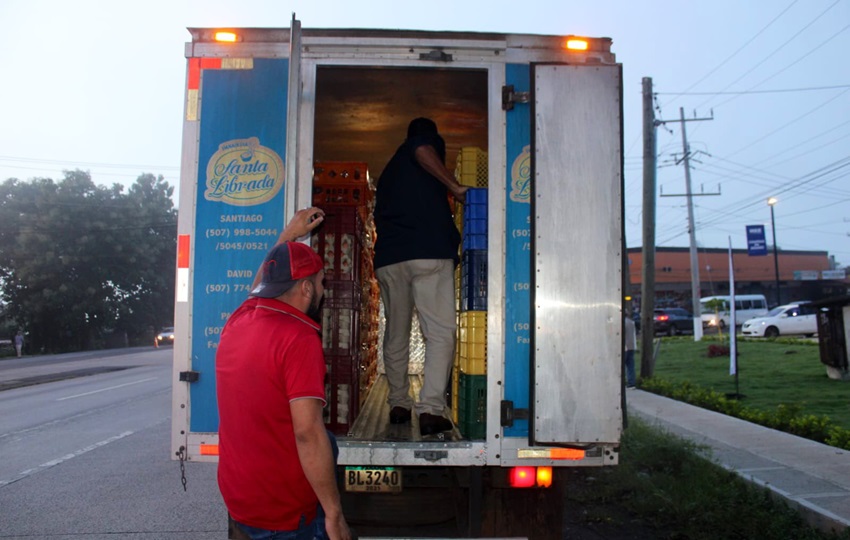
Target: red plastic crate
x=342 y=392
x=340 y=331
x=343 y=294
x=331 y=172
x=339 y=241
x=342 y=194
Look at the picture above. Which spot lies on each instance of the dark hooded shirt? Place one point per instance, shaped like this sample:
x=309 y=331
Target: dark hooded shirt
x=412 y=214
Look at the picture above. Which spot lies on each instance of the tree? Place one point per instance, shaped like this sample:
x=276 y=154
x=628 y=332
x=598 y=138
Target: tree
x=80 y=262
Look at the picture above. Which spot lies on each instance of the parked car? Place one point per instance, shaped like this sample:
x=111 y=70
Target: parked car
x=166 y=337
x=799 y=318
x=673 y=321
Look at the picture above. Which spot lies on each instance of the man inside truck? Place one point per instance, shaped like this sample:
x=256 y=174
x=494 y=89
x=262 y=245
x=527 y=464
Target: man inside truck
x=416 y=252
x=276 y=468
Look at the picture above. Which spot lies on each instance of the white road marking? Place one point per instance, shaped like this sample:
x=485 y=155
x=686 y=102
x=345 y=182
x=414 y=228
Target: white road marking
x=54 y=462
x=105 y=389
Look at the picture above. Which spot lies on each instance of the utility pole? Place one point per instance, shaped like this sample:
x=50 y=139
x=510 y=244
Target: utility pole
x=647 y=282
x=695 y=282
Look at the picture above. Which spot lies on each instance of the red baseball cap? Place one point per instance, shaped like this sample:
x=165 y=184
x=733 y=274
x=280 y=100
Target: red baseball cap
x=284 y=265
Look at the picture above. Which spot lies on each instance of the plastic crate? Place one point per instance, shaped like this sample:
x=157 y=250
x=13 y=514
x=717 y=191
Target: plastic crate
x=334 y=172
x=343 y=294
x=455 y=390
x=473 y=280
x=342 y=392
x=476 y=197
x=475 y=220
x=339 y=241
x=340 y=331
x=342 y=194
x=472 y=405
x=472 y=343
x=471 y=168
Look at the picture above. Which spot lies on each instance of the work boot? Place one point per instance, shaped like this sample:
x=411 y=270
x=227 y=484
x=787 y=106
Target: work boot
x=433 y=423
x=399 y=415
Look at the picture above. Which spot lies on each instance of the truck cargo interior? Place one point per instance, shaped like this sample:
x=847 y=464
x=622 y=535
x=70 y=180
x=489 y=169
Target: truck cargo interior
x=361 y=117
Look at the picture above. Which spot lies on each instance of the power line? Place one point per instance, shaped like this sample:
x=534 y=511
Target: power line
x=87 y=163
x=742 y=47
x=744 y=92
x=812 y=51
x=775 y=51
x=793 y=121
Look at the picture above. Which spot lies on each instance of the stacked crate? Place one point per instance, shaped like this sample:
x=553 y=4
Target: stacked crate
x=343 y=240
x=469 y=380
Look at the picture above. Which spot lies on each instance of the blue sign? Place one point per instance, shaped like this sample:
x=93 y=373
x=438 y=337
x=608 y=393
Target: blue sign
x=756 y=244
x=238 y=206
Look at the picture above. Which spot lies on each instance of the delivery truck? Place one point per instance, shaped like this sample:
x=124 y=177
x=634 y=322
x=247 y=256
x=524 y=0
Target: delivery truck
x=280 y=119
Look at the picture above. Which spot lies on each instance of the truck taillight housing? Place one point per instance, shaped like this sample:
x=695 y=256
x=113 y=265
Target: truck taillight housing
x=528 y=477
x=522 y=477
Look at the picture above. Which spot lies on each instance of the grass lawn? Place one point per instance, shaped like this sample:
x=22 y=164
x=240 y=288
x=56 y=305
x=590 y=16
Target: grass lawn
x=663 y=488
x=770 y=373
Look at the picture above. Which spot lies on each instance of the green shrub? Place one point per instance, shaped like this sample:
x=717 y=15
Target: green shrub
x=786 y=417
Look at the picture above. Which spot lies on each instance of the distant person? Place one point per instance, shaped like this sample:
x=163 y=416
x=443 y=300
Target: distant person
x=19 y=343
x=416 y=252
x=276 y=468
x=629 y=356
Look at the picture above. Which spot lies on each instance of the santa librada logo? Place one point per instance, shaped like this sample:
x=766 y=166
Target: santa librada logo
x=243 y=173
x=521 y=177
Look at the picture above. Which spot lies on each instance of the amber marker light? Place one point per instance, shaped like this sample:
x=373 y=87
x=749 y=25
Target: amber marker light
x=226 y=37
x=576 y=44
x=544 y=477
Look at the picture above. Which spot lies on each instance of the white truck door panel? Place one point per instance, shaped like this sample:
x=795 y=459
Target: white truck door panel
x=577 y=254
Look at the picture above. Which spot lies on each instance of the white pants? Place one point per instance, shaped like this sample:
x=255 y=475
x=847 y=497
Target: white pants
x=427 y=284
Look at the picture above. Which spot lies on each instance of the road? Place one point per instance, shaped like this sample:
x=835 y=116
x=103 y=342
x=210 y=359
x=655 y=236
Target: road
x=84 y=451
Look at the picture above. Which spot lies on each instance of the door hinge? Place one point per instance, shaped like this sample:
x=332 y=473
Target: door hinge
x=509 y=97
x=509 y=414
x=436 y=56
x=189 y=376
x=431 y=455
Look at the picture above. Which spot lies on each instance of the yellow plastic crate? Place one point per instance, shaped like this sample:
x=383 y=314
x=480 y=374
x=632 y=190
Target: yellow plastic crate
x=473 y=365
x=471 y=169
x=455 y=390
x=472 y=342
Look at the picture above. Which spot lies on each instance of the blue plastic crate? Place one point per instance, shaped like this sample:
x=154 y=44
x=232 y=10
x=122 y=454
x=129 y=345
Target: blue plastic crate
x=474 y=211
x=474 y=242
x=476 y=196
x=473 y=280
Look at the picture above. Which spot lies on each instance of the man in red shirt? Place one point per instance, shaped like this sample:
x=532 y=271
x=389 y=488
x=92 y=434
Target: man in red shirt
x=276 y=463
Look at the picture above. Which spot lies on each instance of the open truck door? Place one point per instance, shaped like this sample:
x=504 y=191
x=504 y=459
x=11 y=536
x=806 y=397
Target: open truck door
x=237 y=192
x=576 y=295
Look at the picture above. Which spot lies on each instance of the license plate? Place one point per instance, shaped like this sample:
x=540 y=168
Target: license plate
x=373 y=479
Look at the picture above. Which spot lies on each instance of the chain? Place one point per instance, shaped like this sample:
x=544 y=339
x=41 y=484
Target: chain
x=181 y=455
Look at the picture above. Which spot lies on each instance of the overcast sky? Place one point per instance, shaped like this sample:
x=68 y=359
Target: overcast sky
x=98 y=85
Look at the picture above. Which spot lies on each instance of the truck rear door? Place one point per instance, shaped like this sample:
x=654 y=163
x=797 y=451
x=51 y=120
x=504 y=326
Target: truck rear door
x=236 y=195
x=576 y=252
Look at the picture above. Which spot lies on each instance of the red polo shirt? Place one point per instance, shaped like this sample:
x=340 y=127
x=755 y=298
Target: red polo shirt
x=269 y=354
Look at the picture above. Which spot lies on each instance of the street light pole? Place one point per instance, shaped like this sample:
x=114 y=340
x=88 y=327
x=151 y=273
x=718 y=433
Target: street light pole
x=771 y=202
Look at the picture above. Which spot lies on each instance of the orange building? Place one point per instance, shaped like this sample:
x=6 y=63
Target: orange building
x=803 y=275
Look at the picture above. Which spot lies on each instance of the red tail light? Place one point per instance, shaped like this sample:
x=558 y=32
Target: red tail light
x=661 y=317
x=522 y=477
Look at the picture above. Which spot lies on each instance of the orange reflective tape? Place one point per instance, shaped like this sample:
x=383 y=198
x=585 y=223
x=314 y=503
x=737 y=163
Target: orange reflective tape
x=566 y=453
x=195 y=67
x=194 y=74
x=183 y=251
x=209 y=449
x=210 y=63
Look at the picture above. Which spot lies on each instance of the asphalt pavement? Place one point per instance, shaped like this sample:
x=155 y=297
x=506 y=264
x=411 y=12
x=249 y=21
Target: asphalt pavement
x=810 y=476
